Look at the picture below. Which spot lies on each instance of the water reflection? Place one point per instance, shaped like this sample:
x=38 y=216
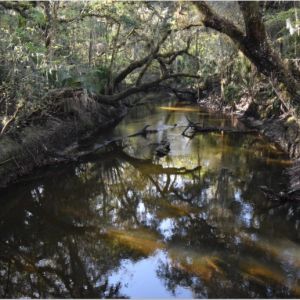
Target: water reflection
x=192 y=224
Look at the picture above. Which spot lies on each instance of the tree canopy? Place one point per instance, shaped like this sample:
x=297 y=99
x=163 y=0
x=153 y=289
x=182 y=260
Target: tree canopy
x=113 y=50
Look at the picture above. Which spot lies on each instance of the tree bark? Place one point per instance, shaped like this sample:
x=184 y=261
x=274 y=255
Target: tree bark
x=91 y=47
x=112 y=60
x=253 y=43
x=47 y=33
x=141 y=88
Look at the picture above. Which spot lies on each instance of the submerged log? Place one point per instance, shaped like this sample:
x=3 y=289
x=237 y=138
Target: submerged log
x=198 y=128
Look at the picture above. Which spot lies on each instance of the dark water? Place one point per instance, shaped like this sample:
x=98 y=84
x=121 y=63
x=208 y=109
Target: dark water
x=130 y=224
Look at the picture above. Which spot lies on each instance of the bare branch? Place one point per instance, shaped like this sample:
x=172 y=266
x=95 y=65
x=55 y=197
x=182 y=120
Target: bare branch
x=11 y=120
x=137 y=64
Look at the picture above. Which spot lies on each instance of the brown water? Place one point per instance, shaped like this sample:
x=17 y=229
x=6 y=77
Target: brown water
x=130 y=224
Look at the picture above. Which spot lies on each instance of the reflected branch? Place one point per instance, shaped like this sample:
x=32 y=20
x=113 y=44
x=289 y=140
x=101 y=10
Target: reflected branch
x=146 y=166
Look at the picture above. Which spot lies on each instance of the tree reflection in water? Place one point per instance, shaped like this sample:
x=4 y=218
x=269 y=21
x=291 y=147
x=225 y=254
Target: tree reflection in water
x=64 y=234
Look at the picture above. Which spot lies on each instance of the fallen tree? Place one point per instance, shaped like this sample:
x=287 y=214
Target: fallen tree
x=199 y=128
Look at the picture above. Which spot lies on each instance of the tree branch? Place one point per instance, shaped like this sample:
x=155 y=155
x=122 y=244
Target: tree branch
x=137 y=64
x=142 y=73
x=160 y=58
x=212 y=20
x=254 y=25
x=253 y=43
x=11 y=120
x=148 y=60
x=141 y=88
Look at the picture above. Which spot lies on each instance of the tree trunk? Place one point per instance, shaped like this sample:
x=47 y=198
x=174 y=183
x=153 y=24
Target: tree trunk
x=112 y=60
x=254 y=44
x=47 y=33
x=91 y=47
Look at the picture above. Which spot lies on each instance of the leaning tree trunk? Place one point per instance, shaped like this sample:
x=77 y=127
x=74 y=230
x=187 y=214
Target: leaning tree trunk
x=254 y=44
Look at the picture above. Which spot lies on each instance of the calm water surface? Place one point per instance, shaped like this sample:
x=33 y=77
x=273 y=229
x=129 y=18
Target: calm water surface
x=127 y=223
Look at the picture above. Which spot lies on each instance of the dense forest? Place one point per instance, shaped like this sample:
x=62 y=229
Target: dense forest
x=78 y=66
x=157 y=137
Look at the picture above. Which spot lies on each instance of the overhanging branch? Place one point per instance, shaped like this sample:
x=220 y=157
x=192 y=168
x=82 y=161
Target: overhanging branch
x=139 y=63
x=143 y=87
x=212 y=20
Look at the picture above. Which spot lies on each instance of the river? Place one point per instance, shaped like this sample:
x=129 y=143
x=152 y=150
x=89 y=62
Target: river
x=130 y=223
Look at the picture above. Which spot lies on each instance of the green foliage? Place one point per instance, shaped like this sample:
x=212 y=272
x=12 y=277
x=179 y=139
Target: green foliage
x=276 y=22
x=128 y=21
x=232 y=92
x=95 y=80
x=88 y=42
x=37 y=17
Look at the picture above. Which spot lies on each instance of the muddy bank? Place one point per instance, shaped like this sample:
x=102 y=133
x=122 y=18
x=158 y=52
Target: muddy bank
x=284 y=131
x=44 y=142
x=57 y=137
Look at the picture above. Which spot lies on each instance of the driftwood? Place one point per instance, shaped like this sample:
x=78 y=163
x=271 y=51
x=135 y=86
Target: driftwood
x=198 y=128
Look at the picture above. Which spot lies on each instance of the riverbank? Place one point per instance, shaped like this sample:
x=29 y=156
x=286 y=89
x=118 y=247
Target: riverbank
x=283 y=130
x=43 y=143
x=127 y=210
x=56 y=138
